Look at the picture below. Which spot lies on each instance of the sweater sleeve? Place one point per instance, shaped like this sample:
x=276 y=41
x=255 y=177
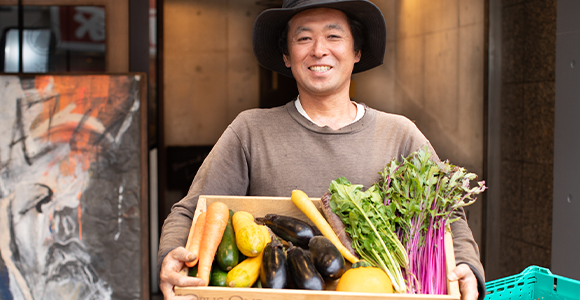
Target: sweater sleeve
x=466 y=250
x=223 y=172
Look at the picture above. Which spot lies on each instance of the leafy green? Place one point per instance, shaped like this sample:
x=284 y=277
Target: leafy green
x=424 y=194
x=398 y=224
x=372 y=234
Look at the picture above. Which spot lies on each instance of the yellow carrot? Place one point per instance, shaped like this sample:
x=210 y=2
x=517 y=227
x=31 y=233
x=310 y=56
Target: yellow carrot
x=301 y=200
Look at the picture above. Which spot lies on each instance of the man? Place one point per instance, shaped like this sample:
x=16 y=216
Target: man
x=320 y=136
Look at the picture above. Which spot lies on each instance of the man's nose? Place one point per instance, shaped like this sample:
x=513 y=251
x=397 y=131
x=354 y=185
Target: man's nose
x=320 y=48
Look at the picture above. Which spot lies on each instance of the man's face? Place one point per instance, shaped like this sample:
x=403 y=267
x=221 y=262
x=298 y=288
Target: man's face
x=321 y=51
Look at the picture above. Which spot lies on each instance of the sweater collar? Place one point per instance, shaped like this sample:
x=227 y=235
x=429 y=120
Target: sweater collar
x=360 y=110
x=365 y=121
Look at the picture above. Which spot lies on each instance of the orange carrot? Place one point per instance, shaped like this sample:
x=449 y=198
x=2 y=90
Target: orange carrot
x=194 y=239
x=215 y=224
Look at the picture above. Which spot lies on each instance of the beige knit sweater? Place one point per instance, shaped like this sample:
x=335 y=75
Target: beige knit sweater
x=270 y=152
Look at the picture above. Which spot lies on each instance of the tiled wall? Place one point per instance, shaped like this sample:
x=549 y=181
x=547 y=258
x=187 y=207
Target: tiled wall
x=527 y=133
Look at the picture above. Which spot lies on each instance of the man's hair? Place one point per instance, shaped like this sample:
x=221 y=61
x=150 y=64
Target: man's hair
x=356 y=28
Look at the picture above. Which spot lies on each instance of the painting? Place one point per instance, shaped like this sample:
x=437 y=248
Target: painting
x=73 y=194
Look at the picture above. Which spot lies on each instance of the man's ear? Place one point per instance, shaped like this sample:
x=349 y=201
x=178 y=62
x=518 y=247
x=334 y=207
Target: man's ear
x=286 y=60
x=357 y=56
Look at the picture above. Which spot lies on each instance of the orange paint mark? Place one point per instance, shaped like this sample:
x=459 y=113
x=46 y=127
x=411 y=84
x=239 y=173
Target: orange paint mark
x=48 y=107
x=40 y=82
x=86 y=164
x=101 y=98
x=67 y=166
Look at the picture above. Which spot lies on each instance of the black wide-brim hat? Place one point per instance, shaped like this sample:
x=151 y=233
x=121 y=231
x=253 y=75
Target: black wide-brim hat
x=270 y=23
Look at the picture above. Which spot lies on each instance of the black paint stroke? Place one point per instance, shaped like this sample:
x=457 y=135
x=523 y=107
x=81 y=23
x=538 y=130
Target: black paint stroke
x=39 y=201
x=19 y=128
x=19 y=134
x=51 y=114
x=80 y=125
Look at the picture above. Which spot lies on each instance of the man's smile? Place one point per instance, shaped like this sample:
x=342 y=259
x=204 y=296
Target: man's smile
x=320 y=68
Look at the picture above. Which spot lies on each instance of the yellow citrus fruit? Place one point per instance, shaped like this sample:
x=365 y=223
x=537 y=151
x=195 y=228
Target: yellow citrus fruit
x=365 y=280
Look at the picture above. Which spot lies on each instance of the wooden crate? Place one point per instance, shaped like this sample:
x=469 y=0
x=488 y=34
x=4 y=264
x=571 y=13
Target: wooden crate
x=259 y=207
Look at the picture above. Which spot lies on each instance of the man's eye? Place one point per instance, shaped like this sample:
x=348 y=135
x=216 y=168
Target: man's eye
x=304 y=38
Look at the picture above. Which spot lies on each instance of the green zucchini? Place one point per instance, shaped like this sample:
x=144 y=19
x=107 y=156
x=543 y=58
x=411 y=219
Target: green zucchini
x=257 y=284
x=227 y=254
x=217 y=277
x=241 y=256
x=192 y=271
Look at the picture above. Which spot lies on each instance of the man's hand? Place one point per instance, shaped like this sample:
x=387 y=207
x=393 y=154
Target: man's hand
x=467 y=281
x=170 y=277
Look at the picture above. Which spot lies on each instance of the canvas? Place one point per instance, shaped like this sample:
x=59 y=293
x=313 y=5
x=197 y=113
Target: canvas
x=71 y=187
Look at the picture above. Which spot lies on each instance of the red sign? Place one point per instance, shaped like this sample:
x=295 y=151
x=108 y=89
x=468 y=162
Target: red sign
x=81 y=27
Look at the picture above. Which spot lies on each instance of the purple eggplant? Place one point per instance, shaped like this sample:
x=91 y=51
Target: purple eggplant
x=274 y=269
x=289 y=229
x=326 y=258
x=303 y=271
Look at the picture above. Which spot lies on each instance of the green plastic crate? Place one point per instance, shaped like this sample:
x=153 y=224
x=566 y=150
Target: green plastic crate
x=533 y=283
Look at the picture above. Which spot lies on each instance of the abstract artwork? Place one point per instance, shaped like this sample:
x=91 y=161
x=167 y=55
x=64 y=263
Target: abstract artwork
x=72 y=188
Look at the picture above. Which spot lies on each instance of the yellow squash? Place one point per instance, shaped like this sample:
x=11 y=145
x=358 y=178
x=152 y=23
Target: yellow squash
x=249 y=238
x=247 y=272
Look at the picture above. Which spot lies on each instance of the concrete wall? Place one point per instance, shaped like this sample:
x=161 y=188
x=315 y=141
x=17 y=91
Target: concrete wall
x=434 y=74
x=210 y=71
